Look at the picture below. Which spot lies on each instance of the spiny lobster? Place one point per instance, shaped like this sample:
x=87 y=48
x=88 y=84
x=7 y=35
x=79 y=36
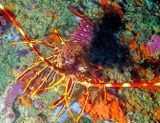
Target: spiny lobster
x=67 y=66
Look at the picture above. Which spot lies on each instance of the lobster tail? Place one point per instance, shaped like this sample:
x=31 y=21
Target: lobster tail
x=84 y=33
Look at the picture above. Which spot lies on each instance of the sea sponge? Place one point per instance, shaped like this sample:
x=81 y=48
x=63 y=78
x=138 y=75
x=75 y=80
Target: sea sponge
x=153 y=44
x=104 y=108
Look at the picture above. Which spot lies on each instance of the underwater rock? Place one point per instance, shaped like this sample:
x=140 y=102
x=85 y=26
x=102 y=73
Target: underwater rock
x=22 y=53
x=105 y=48
x=38 y=104
x=75 y=107
x=39 y=118
x=4 y=23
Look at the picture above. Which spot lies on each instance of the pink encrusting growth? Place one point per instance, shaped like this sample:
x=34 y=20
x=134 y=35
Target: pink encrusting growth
x=16 y=90
x=153 y=44
x=13 y=93
x=84 y=33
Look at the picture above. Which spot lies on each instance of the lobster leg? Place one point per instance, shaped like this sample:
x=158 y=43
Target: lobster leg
x=105 y=94
x=62 y=109
x=85 y=103
x=66 y=96
x=44 y=80
x=69 y=90
x=58 y=83
x=57 y=102
x=37 y=74
x=33 y=78
x=31 y=67
x=71 y=86
x=80 y=114
x=59 y=113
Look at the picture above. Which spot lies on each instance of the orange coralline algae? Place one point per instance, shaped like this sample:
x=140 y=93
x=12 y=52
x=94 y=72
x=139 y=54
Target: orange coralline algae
x=112 y=8
x=146 y=53
x=139 y=51
x=136 y=56
x=133 y=44
x=25 y=101
x=117 y=9
x=104 y=108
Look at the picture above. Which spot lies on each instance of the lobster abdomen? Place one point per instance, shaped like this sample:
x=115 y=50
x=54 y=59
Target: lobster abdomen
x=84 y=33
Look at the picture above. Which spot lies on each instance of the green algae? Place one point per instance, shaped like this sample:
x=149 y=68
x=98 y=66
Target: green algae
x=6 y=75
x=145 y=104
x=138 y=117
x=8 y=61
x=146 y=23
x=36 y=16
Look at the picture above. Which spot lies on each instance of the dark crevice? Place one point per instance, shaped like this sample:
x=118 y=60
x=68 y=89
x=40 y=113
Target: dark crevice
x=105 y=48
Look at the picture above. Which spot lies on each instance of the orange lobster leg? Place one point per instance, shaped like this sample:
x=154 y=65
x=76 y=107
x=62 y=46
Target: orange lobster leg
x=61 y=99
x=65 y=96
x=70 y=86
x=33 y=78
x=31 y=67
x=70 y=89
x=57 y=102
x=58 y=83
x=44 y=80
x=80 y=114
x=59 y=113
x=57 y=33
x=84 y=106
x=62 y=110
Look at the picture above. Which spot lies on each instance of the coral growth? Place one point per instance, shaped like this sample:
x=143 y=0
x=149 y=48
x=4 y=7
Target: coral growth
x=141 y=105
x=146 y=25
x=12 y=94
x=105 y=107
x=153 y=44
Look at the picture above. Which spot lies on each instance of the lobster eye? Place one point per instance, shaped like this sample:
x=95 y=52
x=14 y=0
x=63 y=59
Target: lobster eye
x=72 y=56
